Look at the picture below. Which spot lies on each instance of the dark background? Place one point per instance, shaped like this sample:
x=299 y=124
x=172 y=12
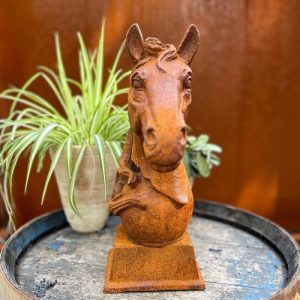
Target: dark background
x=246 y=85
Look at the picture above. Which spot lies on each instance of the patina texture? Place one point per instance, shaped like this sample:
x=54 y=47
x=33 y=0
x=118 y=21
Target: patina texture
x=167 y=268
x=152 y=194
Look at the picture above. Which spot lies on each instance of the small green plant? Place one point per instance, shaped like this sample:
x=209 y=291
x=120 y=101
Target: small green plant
x=89 y=118
x=200 y=157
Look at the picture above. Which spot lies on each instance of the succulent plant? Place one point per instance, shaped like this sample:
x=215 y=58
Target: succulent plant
x=200 y=156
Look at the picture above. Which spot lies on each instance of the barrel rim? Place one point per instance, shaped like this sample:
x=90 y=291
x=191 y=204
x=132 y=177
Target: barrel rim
x=240 y=218
x=230 y=215
x=11 y=253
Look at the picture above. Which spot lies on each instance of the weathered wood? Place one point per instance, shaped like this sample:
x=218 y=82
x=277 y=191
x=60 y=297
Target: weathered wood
x=242 y=256
x=18 y=242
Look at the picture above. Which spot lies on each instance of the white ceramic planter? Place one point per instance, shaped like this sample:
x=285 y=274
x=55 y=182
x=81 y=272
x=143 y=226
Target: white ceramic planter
x=89 y=189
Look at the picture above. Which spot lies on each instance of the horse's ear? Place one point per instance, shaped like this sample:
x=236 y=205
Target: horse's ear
x=189 y=44
x=134 y=43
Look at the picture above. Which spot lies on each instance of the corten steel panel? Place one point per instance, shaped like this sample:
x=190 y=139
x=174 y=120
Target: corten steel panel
x=246 y=87
x=268 y=168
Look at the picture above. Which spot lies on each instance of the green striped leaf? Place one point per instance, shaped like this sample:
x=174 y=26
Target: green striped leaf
x=100 y=145
x=72 y=198
x=43 y=135
x=55 y=159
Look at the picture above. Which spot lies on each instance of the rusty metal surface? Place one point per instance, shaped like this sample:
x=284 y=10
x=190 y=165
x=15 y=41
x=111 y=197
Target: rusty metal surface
x=172 y=267
x=246 y=85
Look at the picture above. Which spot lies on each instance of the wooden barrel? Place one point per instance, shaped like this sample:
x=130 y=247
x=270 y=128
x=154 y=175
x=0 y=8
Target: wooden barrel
x=241 y=255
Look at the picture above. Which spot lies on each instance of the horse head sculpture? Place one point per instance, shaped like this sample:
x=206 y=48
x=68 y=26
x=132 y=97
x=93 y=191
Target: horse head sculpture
x=152 y=249
x=160 y=94
x=152 y=194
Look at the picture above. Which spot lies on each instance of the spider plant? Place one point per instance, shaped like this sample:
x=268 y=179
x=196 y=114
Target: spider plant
x=88 y=118
x=200 y=156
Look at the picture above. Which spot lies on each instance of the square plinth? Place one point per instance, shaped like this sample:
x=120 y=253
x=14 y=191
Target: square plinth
x=133 y=267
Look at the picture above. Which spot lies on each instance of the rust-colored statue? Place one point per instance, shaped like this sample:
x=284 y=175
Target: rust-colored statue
x=152 y=195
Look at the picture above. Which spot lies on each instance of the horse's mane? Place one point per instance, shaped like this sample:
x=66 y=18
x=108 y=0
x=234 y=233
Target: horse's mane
x=154 y=48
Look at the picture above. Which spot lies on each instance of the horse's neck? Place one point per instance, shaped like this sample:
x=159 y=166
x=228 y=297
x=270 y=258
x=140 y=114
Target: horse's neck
x=173 y=184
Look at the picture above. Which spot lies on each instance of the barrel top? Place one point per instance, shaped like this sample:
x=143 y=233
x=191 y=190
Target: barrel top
x=241 y=256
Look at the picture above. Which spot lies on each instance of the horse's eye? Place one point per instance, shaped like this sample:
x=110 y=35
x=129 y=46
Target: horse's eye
x=136 y=83
x=187 y=84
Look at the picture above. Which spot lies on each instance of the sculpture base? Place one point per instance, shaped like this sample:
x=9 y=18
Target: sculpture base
x=132 y=267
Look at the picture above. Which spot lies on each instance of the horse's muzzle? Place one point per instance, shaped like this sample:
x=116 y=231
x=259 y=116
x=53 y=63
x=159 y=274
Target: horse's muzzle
x=164 y=157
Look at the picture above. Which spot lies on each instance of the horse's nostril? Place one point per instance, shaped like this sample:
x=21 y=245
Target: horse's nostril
x=150 y=135
x=150 y=131
x=184 y=130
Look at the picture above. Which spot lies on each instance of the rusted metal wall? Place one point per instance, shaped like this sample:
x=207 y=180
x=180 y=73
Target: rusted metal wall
x=246 y=84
